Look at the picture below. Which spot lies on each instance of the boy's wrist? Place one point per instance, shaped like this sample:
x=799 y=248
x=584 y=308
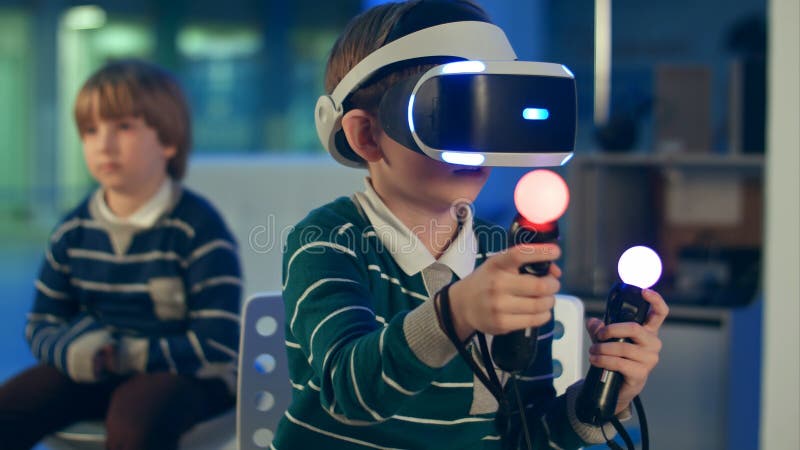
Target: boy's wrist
x=463 y=331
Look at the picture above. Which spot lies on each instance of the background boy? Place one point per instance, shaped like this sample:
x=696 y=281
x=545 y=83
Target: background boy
x=135 y=318
x=370 y=365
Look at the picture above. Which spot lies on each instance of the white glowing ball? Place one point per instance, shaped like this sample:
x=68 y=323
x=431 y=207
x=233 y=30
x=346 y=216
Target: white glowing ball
x=639 y=266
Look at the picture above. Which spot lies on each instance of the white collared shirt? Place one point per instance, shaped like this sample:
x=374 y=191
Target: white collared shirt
x=146 y=215
x=410 y=253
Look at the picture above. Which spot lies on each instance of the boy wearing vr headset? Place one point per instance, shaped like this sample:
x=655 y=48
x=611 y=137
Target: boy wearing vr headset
x=370 y=362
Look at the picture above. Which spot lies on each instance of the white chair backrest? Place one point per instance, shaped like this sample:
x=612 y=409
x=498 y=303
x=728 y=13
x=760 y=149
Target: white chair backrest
x=264 y=391
x=567 y=342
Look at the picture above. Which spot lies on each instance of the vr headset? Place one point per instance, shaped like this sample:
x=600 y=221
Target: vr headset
x=483 y=108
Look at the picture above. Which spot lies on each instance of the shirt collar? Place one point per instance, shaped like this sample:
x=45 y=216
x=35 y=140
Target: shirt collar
x=146 y=215
x=406 y=248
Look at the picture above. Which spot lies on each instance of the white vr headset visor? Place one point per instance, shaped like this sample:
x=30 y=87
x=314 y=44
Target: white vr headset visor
x=483 y=109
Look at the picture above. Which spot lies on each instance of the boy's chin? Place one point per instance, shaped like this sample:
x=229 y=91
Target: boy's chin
x=466 y=185
x=117 y=185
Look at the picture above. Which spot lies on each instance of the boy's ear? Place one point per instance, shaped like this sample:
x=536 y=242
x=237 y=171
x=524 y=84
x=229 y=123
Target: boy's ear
x=170 y=152
x=362 y=131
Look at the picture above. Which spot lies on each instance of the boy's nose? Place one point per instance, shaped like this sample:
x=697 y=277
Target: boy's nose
x=106 y=139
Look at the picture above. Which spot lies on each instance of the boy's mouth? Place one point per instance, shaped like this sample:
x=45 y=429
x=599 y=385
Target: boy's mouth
x=468 y=170
x=108 y=166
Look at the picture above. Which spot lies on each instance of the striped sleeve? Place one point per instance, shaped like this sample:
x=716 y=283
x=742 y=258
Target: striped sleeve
x=367 y=371
x=213 y=284
x=58 y=333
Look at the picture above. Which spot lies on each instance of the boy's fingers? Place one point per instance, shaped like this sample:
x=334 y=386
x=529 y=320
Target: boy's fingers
x=633 y=331
x=626 y=367
x=527 y=305
x=523 y=254
x=524 y=285
x=658 y=310
x=513 y=322
x=99 y=362
x=592 y=325
x=625 y=350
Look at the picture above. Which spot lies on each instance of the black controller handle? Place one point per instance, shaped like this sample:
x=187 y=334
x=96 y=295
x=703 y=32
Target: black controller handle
x=598 y=396
x=515 y=351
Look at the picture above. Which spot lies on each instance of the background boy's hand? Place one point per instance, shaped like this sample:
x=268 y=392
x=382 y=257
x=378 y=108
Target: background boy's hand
x=105 y=361
x=497 y=299
x=634 y=360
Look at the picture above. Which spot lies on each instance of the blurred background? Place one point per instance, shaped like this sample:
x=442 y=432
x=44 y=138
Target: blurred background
x=670 y=153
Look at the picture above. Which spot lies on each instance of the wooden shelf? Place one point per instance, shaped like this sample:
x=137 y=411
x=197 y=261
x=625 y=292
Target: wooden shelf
x=677 y=160
x=622 y=199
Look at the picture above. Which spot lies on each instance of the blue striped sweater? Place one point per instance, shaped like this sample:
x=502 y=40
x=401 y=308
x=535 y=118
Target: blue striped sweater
x=168 y=295
x=370 y=366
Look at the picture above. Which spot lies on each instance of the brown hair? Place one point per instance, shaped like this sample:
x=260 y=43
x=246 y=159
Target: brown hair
x=363 y=35
x=141 y=89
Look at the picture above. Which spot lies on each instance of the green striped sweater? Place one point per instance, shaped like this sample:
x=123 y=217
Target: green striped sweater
x=370 y=366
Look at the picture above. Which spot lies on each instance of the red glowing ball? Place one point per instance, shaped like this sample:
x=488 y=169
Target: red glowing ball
x=541 y=196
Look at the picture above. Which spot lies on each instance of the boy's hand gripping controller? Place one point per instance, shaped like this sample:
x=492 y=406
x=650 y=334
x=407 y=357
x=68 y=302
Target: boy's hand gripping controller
x=541 y=197
x=598 y=397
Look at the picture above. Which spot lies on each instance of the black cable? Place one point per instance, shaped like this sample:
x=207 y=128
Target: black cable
x=623 y=433
x=447 y=322
x=637 y=403
x=487 y=359
x=489 y=379
x=525 y=431
x=487 y=362
x=610 y=442
x=492 y=383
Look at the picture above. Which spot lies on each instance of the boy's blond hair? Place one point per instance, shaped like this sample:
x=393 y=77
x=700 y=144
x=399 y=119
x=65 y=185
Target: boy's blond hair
x=363 y=35
x=137 y=88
